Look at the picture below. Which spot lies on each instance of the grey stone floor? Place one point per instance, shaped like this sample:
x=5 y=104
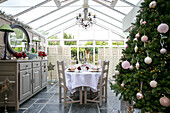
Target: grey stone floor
x=47 y=101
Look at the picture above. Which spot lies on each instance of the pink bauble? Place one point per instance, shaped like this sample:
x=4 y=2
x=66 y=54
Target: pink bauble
x=164 y=101
x=122 y=85
x=137 y=35
x=144 y=22
x=127 y=46
x=125 y=64
x=153 y=84
x=163 y=51
x=139 y=95
x=163 y=28
x=144 y=38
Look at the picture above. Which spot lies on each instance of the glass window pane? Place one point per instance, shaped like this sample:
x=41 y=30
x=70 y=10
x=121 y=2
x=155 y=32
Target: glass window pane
x=16 y=6
x=82 y=43
x=117 y=43
x=70 y=43
x=53 y=42
x=101 y=42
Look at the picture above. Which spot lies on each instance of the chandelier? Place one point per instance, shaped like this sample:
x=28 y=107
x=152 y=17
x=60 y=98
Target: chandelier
x=86 y=19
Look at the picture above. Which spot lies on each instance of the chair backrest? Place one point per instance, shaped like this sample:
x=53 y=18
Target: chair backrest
x=61 y=73
x=104 y=73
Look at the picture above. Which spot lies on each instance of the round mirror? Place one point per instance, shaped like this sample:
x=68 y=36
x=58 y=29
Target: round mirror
x=17 y=41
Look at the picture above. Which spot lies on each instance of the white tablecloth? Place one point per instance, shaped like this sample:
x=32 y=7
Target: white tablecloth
x=77 y=79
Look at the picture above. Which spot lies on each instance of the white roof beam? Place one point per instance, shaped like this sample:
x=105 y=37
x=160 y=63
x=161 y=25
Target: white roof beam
x=109 y=7
x=58 y=3
x=113 y=3
x=58 y=18
x=31 y=8
x=1 y=1
x=61 y=30
x=52 y=11
x=60 y=24
x=105 y=14
x=109 y=23
x=102 y=26
x=128 y=3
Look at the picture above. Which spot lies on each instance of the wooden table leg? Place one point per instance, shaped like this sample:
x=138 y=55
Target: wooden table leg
x=80 y=95
x=85 y=95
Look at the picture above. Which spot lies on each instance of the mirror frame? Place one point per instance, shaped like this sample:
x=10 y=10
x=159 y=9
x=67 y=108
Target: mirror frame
x=7 y=36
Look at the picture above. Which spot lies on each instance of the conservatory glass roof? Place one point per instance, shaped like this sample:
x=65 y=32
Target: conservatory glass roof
x=52 y=16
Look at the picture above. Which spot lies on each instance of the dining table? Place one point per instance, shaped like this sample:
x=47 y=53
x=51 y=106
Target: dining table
x=83 y=78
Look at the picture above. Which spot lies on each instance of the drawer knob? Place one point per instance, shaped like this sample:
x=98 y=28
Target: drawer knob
x=44 y=66
x=37 y=64
x=26 y=66
x=44 y=70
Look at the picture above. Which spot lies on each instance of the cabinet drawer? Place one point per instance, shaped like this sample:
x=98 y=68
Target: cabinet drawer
x=25 y=66
x=44 y=63
x=36 y=64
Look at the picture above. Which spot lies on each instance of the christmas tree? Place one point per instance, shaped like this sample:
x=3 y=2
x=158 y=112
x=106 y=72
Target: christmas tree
x=143 y=73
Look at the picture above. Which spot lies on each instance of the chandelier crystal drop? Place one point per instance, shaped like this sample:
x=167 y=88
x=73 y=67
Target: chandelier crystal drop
x=86 y=19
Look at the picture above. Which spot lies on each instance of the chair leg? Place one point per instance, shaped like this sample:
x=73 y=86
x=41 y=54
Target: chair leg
x=59 y=94
x=85 y=95
x=65 y=93
x=80 y=95
x=105 y=93
x=100 y=98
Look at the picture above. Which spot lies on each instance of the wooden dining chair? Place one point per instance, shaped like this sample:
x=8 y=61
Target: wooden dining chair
x=102 y=85
x=62 y=85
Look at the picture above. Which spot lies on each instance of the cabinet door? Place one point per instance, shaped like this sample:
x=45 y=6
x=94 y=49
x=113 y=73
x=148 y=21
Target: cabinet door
x=44 y=77
x=36 y=79
x=25 y=83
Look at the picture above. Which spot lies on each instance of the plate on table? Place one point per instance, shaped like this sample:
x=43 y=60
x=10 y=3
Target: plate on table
x=94 y=71
x=70 y=70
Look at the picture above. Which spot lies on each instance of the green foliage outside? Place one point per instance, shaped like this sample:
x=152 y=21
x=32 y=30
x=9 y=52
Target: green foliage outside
x=53 y=42
x=158 y=70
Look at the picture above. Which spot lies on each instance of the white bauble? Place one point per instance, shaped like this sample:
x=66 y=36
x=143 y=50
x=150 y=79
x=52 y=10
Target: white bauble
x=136 y=49
x=131 y=67
x=137 y=35
x=139 y=95
x=141 y=21
x=137 y=65
x=117 y=72
x=148 y=60
x=135 y=39
x=153 y=84
x=152 y=4
x=122 y=85
x=163 y=51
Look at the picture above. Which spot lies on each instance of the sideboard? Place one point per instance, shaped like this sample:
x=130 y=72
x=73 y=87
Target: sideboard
x=30 y=77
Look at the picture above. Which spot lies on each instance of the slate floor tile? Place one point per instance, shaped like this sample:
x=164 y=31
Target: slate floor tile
x=55 y=108
x=35 y=108
x=84 y=108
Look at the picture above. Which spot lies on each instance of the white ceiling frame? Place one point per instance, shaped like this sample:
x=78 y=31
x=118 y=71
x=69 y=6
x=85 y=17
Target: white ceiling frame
x=59 y=24
x=109 y=23
x=128 y=3
x=113 y=3
x=109 y=7
x=1 y=1
x=58 y=3
x=52 y=11
x=102 y=26
x=58 y=18
x=62 y=29
x=31 y=8
x=105 y=14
